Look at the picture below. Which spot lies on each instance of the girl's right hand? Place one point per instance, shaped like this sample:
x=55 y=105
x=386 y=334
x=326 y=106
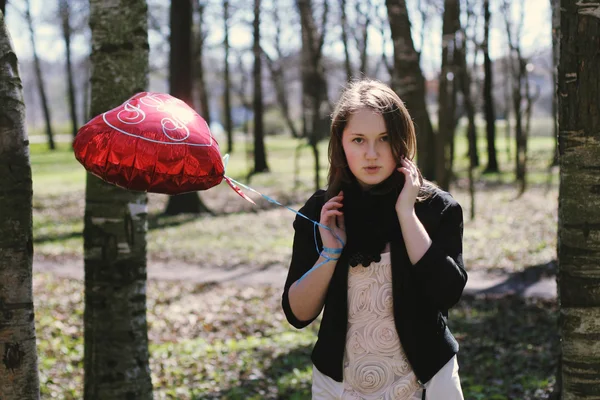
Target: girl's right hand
x=333 y=218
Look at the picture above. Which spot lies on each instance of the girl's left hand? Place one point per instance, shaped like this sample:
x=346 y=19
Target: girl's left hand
x=410 y=191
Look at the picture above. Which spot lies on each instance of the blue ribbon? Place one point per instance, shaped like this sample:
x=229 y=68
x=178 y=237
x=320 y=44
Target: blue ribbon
x=315 y=223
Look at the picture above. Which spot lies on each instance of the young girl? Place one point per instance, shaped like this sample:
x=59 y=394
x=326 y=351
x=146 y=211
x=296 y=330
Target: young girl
x=390 y=264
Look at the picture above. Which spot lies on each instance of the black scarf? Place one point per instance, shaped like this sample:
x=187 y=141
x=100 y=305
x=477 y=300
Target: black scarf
x=370 y=218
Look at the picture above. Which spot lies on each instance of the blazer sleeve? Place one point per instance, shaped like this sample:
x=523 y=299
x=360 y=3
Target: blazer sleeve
x=304 y=253
x=441 y=271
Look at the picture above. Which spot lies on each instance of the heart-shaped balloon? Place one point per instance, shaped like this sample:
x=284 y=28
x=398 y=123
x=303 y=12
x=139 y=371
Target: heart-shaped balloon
x=153 y=142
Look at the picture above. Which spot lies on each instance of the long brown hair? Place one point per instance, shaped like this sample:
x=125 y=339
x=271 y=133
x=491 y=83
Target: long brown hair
x=380 y=98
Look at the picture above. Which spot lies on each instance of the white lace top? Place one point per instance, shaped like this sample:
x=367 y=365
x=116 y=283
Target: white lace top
x=375 y=366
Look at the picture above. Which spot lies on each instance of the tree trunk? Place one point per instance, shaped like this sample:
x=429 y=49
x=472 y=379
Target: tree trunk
x=277 y=70
x=314 y=85
x=202 y=88
x=362 y=35
x=409 y=83
x=180 y=86
x=507 y=103
x=488 y=98
x=85 y=106
x=555 y=4
x=344 y=22
x=66 y=31
x=447 y=93
x=260 y=155
x=227 y=81
x=114 y=236
x=579 y=200
x=40 y=79
x=519 y=133
x=3 y=6
x=19 y=368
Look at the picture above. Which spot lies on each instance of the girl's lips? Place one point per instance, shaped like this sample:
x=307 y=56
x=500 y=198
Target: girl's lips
x=372 y=170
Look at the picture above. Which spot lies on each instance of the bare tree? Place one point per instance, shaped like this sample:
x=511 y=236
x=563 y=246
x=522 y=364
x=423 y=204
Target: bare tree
x=465 y=84
x=518 y=64
x=227 y=79
x=201 y=80
x=409 y=83
x=315 y=103
x=447 y=93
x=488 y=98
x=277 y=68
x=260 y=156
x=65 y=16
x=19 y=368
x=39 y=77
x=180 y=86
x=344 y=26
x=555 y=4
x=361 y=34
x=116 y=357
x=579 y=199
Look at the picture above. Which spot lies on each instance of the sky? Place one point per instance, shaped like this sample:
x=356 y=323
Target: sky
x=536 y=33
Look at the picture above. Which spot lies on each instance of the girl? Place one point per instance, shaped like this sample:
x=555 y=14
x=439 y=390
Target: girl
x=391 y=262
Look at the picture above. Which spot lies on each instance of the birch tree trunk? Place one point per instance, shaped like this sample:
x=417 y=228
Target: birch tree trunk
x=18 y=367
x=579 y=199
x=409 y=83
x=116 y=358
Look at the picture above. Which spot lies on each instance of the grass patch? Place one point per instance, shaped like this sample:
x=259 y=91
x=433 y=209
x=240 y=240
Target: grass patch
x=229 y=342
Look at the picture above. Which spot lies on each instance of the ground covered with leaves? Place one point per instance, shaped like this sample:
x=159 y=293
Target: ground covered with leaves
x=232 y=342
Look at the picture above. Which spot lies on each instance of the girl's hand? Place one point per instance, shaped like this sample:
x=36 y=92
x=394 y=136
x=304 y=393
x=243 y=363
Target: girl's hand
x=333 y=218
x=410 y=191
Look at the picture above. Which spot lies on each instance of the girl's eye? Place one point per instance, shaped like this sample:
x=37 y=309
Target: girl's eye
x=385 y=138
x=358 y=140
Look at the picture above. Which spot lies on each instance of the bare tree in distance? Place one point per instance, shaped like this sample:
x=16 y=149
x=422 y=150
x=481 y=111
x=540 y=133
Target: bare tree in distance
x=227 y=79
x=578 y=275
x=555 y=4
x=344 y=27
x=488 y=99
x=260 y=154
x=447 y=93
x=409 y=83
x=64 y=9
x=180 y=85
x=199 y=46
x=277 y=68
x=19 y=368
x=361 y=34
x=520 y=89
x=39 y=77
x=315 y=102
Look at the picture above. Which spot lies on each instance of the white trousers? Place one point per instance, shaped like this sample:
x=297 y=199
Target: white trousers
x=445 y=385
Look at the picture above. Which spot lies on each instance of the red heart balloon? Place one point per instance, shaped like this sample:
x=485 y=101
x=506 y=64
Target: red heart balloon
x=153 y=142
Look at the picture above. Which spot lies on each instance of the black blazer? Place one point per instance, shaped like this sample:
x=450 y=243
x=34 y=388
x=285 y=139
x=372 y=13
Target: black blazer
x=422 y=293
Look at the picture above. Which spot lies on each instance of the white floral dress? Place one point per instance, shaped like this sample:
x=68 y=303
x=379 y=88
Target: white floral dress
x=375 y=365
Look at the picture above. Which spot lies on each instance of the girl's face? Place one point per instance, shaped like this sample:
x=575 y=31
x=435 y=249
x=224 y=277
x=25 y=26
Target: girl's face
x=367 y=148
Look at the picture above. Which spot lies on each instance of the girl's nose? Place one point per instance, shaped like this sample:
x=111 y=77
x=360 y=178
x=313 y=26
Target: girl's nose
x=371 y=152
